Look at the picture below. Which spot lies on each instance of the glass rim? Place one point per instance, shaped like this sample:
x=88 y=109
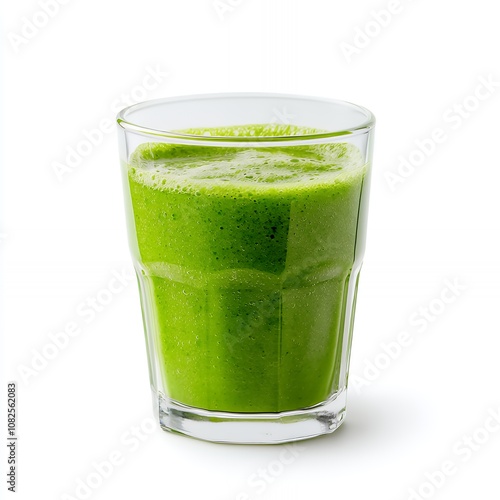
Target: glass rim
x=132 y=126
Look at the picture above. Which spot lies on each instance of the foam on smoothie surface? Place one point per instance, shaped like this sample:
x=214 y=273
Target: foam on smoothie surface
x=158 y=165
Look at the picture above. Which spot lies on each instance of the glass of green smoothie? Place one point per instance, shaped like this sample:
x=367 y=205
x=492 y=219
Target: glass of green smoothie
x=247 y=221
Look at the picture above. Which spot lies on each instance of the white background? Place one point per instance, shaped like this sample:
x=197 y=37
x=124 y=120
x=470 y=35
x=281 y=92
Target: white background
x=63 y=238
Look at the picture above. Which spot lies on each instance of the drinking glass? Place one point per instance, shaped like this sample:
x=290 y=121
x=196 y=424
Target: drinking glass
x=246 y=220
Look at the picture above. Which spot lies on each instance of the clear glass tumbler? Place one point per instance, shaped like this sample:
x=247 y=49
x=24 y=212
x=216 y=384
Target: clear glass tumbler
x=247 y=221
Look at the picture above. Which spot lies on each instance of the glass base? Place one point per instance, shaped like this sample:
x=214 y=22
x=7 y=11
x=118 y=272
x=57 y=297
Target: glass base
x=251 y=428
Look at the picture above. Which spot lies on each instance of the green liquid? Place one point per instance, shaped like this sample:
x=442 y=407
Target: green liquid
x=245 y=257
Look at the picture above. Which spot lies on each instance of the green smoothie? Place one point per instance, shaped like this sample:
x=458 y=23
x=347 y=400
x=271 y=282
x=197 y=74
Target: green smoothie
x=244 y=255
